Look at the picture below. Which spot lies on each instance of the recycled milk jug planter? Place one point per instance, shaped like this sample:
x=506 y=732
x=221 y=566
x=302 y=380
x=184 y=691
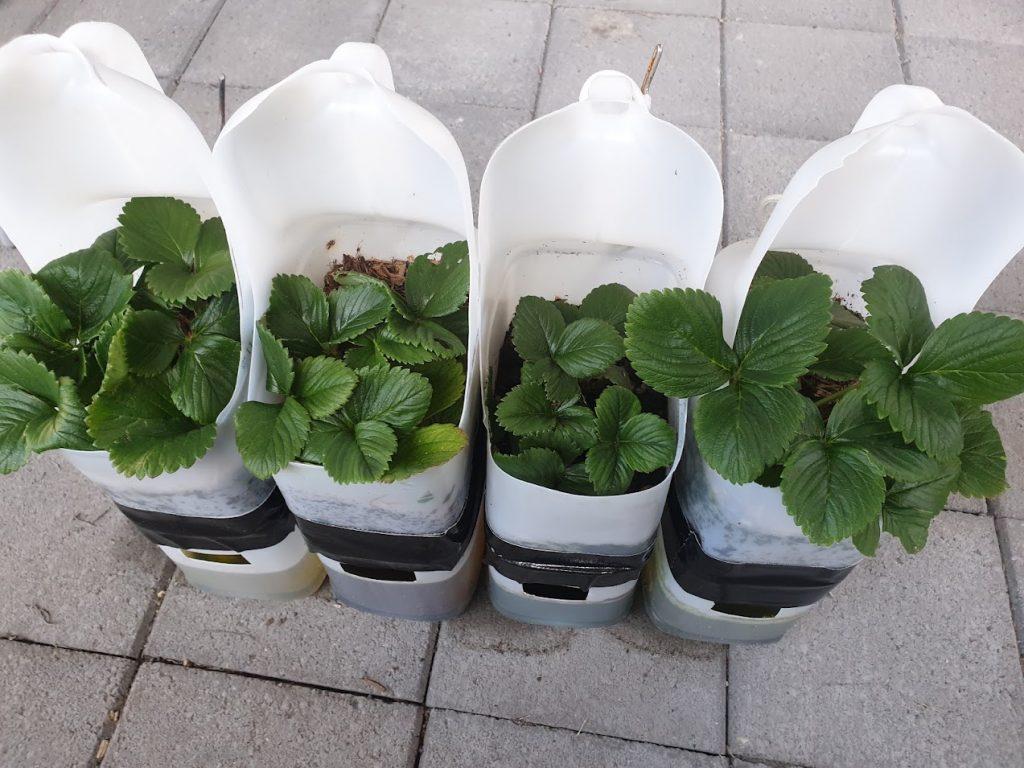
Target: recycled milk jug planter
x=598 y=192
x=85 y=128
x=329 y=160
x=918 y=184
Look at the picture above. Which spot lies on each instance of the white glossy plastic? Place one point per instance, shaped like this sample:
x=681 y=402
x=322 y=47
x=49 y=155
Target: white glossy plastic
x=598 y=192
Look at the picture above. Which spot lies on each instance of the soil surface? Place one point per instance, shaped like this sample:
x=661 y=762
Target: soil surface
x=391 y=272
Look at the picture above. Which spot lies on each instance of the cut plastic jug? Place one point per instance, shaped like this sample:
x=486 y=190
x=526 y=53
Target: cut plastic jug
x=918 y=184
x=330 y=161
x=86 y=127
x=598 y=192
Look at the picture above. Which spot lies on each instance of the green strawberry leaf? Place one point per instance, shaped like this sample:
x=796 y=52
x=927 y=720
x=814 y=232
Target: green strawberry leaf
x=270 y=435
x=910 y=507
x=674 y=341
x=831 y=490
x=577 y=481
x=426 y=334
x=781 y=265
x=26 y=309
x=394 y=348
x=609 y=302
x=210 y=273
x=782 y=329
x=586 y=347
x=743 y=428
x=983 y=459
x=526 y=411
x=567 y=310
x=323 y=385
x=356 y=453
x=364 y=352
x=25 y=373
x=447 y=385
x=299 y=315
x=151 y=341
x=64 y=426
x=435 y=289
x=536 y=327
x=539 y=466
x=111 y=243
x=423 y=448
x=976 y=356
x=846 y=353
x=218 y=315
x=395 y=396
x=89 y=287
x=910 y=526
x=159 y=230
x=867 y=538
x=203 y=379
x=559 y=385
x=280 y=369
x=897 y=311
x=355 y=309
x=568 y=447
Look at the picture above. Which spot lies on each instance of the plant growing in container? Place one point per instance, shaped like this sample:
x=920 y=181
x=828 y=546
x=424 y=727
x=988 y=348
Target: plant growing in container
x=865 y=424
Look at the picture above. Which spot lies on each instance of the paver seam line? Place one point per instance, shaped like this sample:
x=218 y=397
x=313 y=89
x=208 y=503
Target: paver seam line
x=424 y=718
x=55 y=646
x=106 y=729
x=543 y=63
x=767 y=761
x=1012 y=578
x=901 y=48
x=721 y=120
x=639 y=12
x=380 y=21
x=43 y=16
x=176 y=78
x=435 y=639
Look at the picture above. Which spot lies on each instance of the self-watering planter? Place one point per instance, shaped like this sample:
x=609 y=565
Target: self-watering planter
x=600 y=192
x=87 y=128
x=934 y=192
x=332 y=179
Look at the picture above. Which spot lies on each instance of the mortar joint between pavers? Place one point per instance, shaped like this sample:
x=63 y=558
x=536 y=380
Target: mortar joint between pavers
x=543 y=62
x=900 y=32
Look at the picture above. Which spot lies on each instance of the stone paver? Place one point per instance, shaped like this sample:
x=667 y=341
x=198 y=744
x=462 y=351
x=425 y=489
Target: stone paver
x=22 y=16
x=168 y=31
x=627 y=681
x=803 y=82
x=993 y=21
x=1006 y=294
x=53 y=704
x=74 y=571
x=1008 y=417
x=258 y=42
x=1011 y=536
x=912 y=661
x=981 y=78
x=193 y=718
x=586 y=40
x=459 y=740
x=959 y=503
x=433 y=59
x=313 y=640
x=870 y=15
x=689 y=7
x=202 y=103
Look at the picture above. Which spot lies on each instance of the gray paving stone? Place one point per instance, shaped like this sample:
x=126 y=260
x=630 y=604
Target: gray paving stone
x=460 y=740
x=466 y=51
x=201 y=102
x=981 y=78
x=870 y=15
x=993 y=21
x=11 y=259
x=911 y=661
x=313 y=640
x=258 y=42
x=1011 y=535
x=689 y=7
x=586 y=40
x=54 y=703
x=74 y=571
x=168 y=32
x=958 y=503
x=1006 y=294
x=803 y=82
x=192 y=718
x=1008 y=417
x=758 y=166
x=21 y=17
x=627 y=681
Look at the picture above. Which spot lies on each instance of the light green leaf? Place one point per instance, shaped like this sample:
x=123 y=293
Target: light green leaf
x=447 y=385
x=743 y=428
x=977 y=356
x=782 y=329
x=983 y=459
x=270 y=435
x=917 y=408
x=160 y=230
x=89 y=287
x=299 y=315
x=435 y=289
x=423 y=448
x=539 y=466
x=25 y=308
x=203 y=379
x=151 y=341
x=586 y=347
x=609 y=302
x=674 y=341
x=394 y=396
x=323 y=385
x=280 y=369
x=832 y=491
x=354 y=309
x=897 y=311
x=354 y=454
x=846 y=353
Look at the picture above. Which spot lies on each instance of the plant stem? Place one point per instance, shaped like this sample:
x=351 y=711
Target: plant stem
x=834 y=396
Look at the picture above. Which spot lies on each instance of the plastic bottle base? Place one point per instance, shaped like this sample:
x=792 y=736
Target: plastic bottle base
x=509 y=599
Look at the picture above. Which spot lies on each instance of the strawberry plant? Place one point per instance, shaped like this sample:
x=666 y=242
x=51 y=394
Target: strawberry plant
x=865 y=424
x=93 y=359
x=572 y=414
x=370 y=370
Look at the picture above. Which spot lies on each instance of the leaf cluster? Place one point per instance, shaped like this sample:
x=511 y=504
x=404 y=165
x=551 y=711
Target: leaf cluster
x=574 y=421
x=901 y=428
x=92 y=359
x=371 y=378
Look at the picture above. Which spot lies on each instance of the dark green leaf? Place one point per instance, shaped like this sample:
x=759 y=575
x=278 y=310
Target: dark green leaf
x=218 y=315
x=525 y=410
x=423 y=448
x=364 y=352
x=210 y=273
x=983 y=459
x=586 y=347
x=110 y=242
x=89 y=287
x=160 y=230
x=394 y=396
x=897 y=311
x=323 y=385
x=25 y=308
x=447 y=384
x=151 y=341
x=269 y=435
x=280 y=369
x=299 y=315
x=539 y=466
x=608 y=302
x=782 y=265
x=394 y=348
x=536 y=328
x=203 y=379
x=426 y=334
x=355 y=454
x=435 y=289
x=354 y=309
x=577 y=481
x=846 y=353
x=867 y=538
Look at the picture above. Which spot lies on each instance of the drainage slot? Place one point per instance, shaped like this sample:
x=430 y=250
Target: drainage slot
x=556 y=591
x=748 y=611
x=226 y=558
x=380 y=574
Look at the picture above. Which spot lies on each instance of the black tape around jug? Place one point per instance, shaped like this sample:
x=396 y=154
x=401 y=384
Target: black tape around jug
x=562 y=569
x=263 y=527
x=739 y=584
x=375 y=551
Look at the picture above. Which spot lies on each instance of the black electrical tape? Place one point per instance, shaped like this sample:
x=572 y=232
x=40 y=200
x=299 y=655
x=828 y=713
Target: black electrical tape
x=394 y=551
x=263 y=527
x=564 y=569
x=748 y=584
